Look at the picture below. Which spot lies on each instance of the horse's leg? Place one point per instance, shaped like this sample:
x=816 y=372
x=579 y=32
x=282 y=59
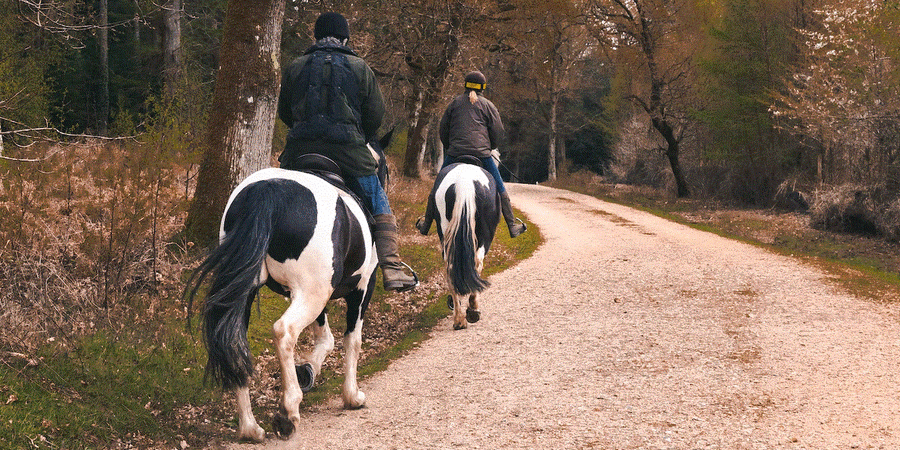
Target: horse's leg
x=357 y=303
x=248 y=429
x=473 y=314
x=459 y=312
x=324 y=342
x=247 y=426
x=303 y=311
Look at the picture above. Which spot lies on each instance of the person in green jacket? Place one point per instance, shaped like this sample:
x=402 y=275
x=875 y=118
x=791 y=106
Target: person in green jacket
x=333 y=106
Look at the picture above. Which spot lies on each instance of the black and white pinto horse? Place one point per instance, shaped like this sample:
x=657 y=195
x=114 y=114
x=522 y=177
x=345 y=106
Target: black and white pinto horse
x=306 y=239
x=467 y=211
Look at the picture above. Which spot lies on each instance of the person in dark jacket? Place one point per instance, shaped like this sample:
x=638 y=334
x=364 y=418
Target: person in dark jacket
x=471 y=126
x=332 y=103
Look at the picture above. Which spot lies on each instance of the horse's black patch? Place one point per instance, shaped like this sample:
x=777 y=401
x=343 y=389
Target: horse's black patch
x=450 y=200
x=349 y=253
x=294 y=220
x=295 y=223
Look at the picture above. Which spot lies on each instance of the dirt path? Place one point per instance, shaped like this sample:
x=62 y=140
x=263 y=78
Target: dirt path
x=626 y=331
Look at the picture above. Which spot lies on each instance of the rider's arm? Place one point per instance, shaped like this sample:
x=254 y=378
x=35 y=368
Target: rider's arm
x=372 y=104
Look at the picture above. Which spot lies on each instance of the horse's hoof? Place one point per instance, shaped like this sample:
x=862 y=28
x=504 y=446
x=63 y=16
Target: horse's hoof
x=357 y=403
x=306 y=376
x=420 y=226
x=255 y=434
x=282 y=426
x=450 y=302
x=473 y=315
x=459 y=326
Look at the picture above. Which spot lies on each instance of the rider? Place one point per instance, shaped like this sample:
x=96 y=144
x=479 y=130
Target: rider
x=471 y=126
x=333 y=105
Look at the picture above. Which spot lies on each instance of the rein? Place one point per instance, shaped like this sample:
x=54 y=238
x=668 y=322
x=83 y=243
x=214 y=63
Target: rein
x=507 y=168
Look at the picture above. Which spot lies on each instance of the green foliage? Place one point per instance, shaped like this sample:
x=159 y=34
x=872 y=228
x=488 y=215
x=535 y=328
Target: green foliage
x=592 y=117
x=99 y=390
x=753 y=48
x=135 y=65
x=24 y=56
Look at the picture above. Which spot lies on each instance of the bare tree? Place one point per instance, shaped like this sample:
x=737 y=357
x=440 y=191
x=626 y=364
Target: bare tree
x=420 y=42
x=645 y=31
x=562 y=27
x=242 y=118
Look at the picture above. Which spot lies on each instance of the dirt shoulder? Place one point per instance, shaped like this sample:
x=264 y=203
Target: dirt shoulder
x=625 y=330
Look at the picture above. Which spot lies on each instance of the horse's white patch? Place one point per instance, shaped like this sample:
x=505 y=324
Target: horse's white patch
x=458 y=177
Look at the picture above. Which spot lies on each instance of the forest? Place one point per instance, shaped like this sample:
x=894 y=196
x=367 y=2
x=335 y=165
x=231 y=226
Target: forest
x=724 y=99
x=124 y=124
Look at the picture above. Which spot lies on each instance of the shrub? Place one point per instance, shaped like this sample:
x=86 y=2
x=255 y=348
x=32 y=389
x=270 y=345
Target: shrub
x=856 y=208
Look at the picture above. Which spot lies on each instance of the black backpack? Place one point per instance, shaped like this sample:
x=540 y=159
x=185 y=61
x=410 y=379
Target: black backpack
x=331 y=107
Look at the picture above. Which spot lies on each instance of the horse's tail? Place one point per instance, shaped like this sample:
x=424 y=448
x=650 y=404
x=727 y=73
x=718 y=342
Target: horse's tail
x=235 y=266
x=460 y=244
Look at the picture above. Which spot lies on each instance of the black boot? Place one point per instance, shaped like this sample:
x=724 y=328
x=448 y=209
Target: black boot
x=387 y=245
x=516 y=226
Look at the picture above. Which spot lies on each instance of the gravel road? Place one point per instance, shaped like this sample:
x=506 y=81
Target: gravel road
x=626 y=331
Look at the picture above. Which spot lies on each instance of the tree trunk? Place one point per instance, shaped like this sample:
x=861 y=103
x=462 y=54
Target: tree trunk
x=172 y=45
x=551 y=159
x=415 y=135
x=242 y=117
x=103 y=38
x=437 y=151
x=673 y=150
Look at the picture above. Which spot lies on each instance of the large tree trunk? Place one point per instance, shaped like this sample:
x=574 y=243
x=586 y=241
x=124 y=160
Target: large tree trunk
x=242 y=117
x=673 y=150
x=103 y=38
x=172 y=45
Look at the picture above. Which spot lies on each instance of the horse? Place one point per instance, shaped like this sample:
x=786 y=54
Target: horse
x=467 y=207
x=305 y=237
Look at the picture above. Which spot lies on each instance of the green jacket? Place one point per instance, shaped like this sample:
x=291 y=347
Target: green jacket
x=351 y=154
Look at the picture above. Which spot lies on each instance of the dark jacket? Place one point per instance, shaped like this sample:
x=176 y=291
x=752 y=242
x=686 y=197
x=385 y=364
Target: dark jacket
x=471 y=129
x=351 y=154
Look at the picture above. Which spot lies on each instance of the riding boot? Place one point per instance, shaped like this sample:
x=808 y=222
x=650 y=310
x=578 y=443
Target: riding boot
x=424 y=222
x=387 y=245
x=516 y=226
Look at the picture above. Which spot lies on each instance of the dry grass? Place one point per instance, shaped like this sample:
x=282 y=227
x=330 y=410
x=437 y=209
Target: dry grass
x=856 y=208
x=85 y=239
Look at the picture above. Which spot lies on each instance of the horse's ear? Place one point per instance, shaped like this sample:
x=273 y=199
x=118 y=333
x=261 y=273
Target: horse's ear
x=385 y=140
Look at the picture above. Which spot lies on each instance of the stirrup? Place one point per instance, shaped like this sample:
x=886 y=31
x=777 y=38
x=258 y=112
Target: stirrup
x=410 y=287
x=517 y=221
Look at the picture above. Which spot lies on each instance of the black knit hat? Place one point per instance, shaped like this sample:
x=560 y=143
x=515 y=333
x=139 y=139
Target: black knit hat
x=475 y=80
x=332 y=24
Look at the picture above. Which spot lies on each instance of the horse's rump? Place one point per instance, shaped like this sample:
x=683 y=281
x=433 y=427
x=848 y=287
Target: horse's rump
x=467 y=204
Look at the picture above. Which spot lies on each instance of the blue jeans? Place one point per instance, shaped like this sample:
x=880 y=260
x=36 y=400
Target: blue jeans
x=489 y=165
x=371 y=193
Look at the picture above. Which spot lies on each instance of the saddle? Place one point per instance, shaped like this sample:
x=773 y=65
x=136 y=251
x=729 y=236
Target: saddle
x=467 y=159
x=328 y=170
